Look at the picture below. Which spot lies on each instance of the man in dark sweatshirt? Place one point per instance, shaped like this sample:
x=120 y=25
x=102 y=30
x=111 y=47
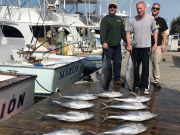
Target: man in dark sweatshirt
x=112 y=30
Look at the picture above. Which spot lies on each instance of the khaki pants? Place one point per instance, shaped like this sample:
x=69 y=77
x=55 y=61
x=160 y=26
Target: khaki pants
x=156 y=59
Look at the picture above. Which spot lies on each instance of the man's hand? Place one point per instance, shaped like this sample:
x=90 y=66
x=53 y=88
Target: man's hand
x=129 y=48
x=105 y=46
x=163 y=48
x=155 y=46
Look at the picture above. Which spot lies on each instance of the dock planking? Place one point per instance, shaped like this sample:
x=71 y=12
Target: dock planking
x=165 y=103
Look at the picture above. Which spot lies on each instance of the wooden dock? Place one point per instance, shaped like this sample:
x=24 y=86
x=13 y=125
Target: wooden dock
x=165 y=103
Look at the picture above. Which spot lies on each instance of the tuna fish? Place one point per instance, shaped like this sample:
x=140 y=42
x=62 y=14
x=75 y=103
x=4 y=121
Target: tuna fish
x=126 y=129
x=134 y=116
x=82 y=97
x=127 y=106
x=76 y=104
x=130 y=73
x=109 y=94
x=72 y=116
x=141 y=99
x=70 y=131
x=66 y=132
x=104 y=68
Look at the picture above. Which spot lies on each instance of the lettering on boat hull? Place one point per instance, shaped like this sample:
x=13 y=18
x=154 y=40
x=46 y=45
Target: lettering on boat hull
x=9 y=106
x=68 y=71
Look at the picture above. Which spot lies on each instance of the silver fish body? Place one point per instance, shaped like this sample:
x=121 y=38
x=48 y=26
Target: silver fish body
x=128 y=106
x=76 y=104
x=140 y=99
x=84 y=97
x=134 y=116
x=109 y=94
x=126 y=129
x=130 y=73
x=104 y=69
x=72 y=116
x=66 y=132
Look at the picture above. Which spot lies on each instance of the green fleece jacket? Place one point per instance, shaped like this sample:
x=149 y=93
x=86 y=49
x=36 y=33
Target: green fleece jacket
x=112 y=30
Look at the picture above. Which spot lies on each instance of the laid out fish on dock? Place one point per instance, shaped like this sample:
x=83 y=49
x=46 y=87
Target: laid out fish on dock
x=126 y=129
x=109 y=94
x=127 y=106
x=72 y=116
x=70 y=131
x=74 y=104
x=81 y=96
x=134 y=116
x=141 y=99
x=66 y=132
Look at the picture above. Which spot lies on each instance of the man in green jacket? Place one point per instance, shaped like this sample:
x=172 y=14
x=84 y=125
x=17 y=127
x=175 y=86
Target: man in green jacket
x=112 y=30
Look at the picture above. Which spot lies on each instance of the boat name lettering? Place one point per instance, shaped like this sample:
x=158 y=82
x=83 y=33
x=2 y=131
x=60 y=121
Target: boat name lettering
x=10 y=107
x=68 y=71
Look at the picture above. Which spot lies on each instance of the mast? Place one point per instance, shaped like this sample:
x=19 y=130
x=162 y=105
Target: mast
x=130 y=8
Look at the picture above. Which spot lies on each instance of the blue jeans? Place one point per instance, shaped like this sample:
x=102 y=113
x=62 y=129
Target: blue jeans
x=112 y=59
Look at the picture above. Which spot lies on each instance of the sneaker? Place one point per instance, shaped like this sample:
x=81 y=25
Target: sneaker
x=146 y=91
x=157 y=85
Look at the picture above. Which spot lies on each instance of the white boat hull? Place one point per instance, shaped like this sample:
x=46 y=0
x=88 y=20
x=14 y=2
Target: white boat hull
x=53 y=76
x=16 y=94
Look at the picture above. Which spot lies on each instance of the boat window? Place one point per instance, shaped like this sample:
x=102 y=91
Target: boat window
x=82 y=31
x=38 y=31
x=66 y=32
x=97 y=31
x=10 y=31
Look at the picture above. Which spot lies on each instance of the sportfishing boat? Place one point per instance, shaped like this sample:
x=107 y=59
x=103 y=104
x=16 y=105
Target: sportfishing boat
x=54 y=71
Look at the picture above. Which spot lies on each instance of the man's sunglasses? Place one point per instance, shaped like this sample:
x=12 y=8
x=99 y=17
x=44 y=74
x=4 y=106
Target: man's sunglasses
x=154 y=8
x=112 y=6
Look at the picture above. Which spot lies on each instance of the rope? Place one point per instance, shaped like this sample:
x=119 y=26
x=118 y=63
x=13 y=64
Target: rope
x=42 y=86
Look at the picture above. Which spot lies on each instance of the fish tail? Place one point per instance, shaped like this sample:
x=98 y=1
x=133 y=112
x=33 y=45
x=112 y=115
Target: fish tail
x=105 y=106
x=91 y=132
x=104 y=119
x=133 y=93
x=109 y=101
x=59 y=94
x=42 y=114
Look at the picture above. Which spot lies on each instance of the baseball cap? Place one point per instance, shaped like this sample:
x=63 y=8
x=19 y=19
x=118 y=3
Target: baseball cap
x=113 y=2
